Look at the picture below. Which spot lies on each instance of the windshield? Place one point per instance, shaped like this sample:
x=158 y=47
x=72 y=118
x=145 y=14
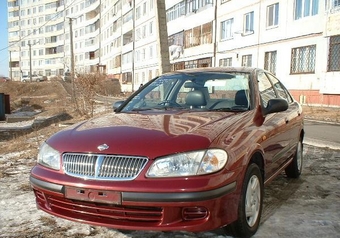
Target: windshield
x=208 y=91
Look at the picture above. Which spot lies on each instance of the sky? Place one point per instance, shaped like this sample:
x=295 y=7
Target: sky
x=3 y=39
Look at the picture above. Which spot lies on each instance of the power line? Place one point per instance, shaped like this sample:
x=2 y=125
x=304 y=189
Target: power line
x=16 y=42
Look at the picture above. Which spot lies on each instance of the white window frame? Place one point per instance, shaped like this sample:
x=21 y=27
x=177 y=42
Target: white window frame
x=227 y=31
x=248 y=23
x=305 y=8
x=273 y=15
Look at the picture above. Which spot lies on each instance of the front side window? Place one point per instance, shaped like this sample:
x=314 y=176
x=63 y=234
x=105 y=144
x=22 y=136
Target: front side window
x=273 y=15
x=266 y=89
x=303 y=59
x=227 y=29
x=334 y=53
x=282 y=92
x=305 y=8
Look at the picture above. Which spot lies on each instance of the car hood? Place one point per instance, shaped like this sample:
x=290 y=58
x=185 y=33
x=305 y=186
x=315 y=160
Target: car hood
x=139 y=134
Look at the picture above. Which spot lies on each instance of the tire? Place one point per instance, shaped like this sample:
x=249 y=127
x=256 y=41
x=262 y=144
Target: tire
x=294 y=169
x=252 y=200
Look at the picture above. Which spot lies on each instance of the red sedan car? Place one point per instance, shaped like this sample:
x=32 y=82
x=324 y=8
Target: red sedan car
x=190 y=150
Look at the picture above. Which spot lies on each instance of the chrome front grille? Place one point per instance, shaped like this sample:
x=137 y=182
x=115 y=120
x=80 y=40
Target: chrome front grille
x=103 y=167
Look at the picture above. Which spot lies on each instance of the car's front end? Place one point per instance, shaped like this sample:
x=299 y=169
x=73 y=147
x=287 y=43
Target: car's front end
x=142 y=178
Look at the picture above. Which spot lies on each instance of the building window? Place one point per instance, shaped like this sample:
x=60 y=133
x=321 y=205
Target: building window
x=176 y=11
x=246 y=60
x=273 y=15
x=206 y=37
x=334 y=53
x=305 y=8
x=144 y=8
x=151 y=51
x=138 y=13
x=248 y=23
x=190 y=64
x=336 y=3
x=194 y=5
x=151 y=4
x=150 y=28
x=227 y=29
x=270 y=61
x=303 y=60
x=226 y=62
x=192 y=37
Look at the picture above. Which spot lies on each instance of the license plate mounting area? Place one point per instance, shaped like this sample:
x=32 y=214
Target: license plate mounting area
x=93 y=195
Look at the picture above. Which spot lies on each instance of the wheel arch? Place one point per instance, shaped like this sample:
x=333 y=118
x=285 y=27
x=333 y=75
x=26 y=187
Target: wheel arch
x=258 y=159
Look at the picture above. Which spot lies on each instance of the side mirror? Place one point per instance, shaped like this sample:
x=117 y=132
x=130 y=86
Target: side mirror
x=117 y=105
x=276 y=105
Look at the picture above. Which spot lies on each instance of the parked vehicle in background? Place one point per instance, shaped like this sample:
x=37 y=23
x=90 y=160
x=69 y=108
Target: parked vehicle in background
x=35 y=78
x=4 y=79
x=67 y=77
x=190 y=150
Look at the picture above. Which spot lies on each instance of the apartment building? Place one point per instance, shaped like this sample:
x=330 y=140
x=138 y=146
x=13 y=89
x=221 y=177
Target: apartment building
x=298 y=40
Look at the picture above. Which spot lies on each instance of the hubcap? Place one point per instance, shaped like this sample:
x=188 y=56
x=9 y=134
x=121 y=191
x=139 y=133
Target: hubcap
x=253 y=200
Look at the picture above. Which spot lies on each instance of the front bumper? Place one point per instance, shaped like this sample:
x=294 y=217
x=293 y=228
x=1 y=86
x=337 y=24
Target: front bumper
x=190 y=211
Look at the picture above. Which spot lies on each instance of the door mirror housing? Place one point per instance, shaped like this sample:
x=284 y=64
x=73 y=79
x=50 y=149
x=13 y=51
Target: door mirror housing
x=117 y=105
x=276 y=105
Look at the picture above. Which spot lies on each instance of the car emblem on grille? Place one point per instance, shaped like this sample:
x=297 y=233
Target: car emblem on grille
x=103 y=147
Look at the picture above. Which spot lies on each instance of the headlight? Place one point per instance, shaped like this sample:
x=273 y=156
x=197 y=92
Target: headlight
x=189 y=164
x=49 y=157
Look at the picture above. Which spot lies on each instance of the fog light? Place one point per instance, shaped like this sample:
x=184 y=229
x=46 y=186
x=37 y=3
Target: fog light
x=194 y=213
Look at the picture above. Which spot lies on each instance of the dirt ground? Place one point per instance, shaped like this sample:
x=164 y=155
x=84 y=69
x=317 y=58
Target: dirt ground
x=306 y=207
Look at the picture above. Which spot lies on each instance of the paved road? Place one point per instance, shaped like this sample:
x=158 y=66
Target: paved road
x=322 y=134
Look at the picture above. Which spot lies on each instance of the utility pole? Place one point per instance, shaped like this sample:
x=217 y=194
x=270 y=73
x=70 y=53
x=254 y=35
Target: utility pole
x=10 y=64
x=133 y=45
x=72 y=58
x=30 y=53
x=163 y=42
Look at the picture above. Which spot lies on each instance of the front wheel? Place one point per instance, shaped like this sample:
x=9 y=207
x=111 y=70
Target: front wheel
x=250 y=206
x=293 y=170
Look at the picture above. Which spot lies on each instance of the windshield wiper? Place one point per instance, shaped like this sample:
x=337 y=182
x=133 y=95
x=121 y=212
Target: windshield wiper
x=228 y=109
x=158 y=108
x=141 y=109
